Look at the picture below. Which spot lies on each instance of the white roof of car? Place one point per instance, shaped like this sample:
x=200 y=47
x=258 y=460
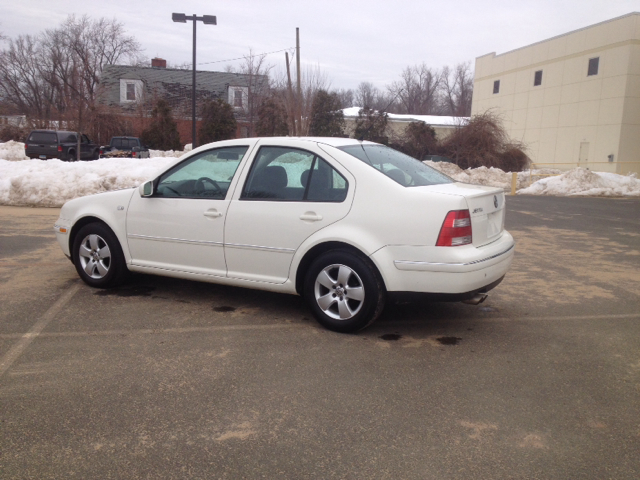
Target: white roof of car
x=333 y=141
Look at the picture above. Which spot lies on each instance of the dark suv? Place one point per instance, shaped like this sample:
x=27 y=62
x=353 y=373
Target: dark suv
x=45 y=144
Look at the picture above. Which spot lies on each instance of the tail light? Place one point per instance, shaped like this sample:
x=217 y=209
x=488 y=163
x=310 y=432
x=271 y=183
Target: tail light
x=59 y=148
x=133 y=154
x=456 y=229
x=101 y=152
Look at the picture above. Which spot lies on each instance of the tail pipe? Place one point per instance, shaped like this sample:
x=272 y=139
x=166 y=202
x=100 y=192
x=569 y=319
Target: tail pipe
x=477 y=299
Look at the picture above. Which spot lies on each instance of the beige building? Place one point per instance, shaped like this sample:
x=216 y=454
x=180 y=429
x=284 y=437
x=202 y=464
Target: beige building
x=573 y=99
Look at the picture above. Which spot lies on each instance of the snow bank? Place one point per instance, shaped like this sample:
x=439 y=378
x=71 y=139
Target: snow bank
x=492 y=177
x=50 y=183
x=580 y=181
x=170 y=153
x=12 y=151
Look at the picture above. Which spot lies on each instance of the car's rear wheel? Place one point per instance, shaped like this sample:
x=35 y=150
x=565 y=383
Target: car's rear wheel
x=98 y=257
x=344 y=291
x=71 y=156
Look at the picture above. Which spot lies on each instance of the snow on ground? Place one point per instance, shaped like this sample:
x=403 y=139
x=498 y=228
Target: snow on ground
x=352 y=112
x=580 y=181
x=50 y=183
x=12 y=151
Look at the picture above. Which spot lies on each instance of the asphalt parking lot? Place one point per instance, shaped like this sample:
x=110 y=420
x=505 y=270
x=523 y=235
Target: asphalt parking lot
x=167 y=378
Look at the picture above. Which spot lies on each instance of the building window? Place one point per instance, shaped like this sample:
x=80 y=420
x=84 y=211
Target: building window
x=131 y=92
x=496 y=86
x=238 y=97
x=537 y=79
x=593 y=66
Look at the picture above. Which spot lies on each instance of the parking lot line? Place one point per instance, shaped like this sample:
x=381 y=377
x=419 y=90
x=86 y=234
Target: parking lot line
x=273 y=326
x=25 y=339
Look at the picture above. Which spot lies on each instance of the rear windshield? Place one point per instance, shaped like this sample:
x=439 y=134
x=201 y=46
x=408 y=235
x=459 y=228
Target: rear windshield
x=127 y=143
x=403 y=169
x=45 y=138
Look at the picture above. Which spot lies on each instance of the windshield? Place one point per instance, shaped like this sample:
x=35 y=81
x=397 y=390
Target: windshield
x=405 y=170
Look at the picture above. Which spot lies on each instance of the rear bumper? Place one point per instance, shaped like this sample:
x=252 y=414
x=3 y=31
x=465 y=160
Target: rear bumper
x=442 y=297
x=445 y=271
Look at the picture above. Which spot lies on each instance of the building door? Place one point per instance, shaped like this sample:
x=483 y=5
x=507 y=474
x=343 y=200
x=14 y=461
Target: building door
x=583 y=159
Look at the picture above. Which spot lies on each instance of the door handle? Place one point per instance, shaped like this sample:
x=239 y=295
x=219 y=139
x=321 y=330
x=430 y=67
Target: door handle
x=212 y=213
x=310 y=217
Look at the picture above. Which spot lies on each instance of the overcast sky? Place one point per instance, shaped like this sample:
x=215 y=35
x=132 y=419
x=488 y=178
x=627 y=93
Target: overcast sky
x=349 y=40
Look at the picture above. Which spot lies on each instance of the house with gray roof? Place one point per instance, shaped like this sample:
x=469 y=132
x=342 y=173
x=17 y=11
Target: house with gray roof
x=131 y=87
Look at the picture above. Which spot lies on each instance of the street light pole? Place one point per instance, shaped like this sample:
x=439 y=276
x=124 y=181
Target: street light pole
x=207 y=20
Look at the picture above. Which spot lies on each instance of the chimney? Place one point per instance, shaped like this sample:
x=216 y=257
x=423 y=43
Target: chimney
x=158 y=62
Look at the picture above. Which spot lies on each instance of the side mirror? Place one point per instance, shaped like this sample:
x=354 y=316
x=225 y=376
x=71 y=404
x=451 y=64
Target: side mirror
x=146 y=189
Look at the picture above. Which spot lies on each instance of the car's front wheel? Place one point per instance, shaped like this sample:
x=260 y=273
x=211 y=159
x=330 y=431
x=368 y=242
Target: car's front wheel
x=98 y=257
x=344 y=291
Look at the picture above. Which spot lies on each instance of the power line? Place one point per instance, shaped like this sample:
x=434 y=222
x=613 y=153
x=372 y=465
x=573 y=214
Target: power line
x=242 y=58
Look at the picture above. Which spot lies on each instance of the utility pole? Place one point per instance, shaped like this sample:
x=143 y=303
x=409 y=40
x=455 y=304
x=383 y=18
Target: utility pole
x=292 y=108
x=299 y=102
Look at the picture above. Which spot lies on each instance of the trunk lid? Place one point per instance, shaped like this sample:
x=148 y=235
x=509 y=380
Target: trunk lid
x=486 y=207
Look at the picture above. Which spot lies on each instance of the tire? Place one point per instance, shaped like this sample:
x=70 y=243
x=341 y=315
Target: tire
x=98 y=257
x=71 y=156
x=345 y=291
x=95 y=155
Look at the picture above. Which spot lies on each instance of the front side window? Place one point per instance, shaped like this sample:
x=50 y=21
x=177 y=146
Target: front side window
x=291 y=174
x=593 y=66
x=206 y=175
x=403 y=169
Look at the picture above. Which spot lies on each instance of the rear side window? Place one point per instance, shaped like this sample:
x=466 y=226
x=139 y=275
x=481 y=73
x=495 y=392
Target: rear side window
x=401 y=168
x=45 y=138
x=291 y=174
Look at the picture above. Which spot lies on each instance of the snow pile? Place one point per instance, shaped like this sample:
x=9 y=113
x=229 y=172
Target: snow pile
x=580 y=181
x=170 y=153
x=12 y=151
x=50 y=183
x=492 y=177
x=352 y=113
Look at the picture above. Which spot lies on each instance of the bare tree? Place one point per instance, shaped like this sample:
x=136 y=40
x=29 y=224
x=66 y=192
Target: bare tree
x=23 y=84
x=346 y=98
x=55 y=76
x=312 y=80
x=417 y=90
x=366 y=95
x=257 y=71
x=457 y=90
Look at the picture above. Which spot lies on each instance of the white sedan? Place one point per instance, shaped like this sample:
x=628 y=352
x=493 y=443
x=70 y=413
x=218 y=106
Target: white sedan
x=345 y=223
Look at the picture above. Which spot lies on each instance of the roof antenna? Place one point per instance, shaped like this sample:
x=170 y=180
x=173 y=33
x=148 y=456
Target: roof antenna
x=384 y=111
